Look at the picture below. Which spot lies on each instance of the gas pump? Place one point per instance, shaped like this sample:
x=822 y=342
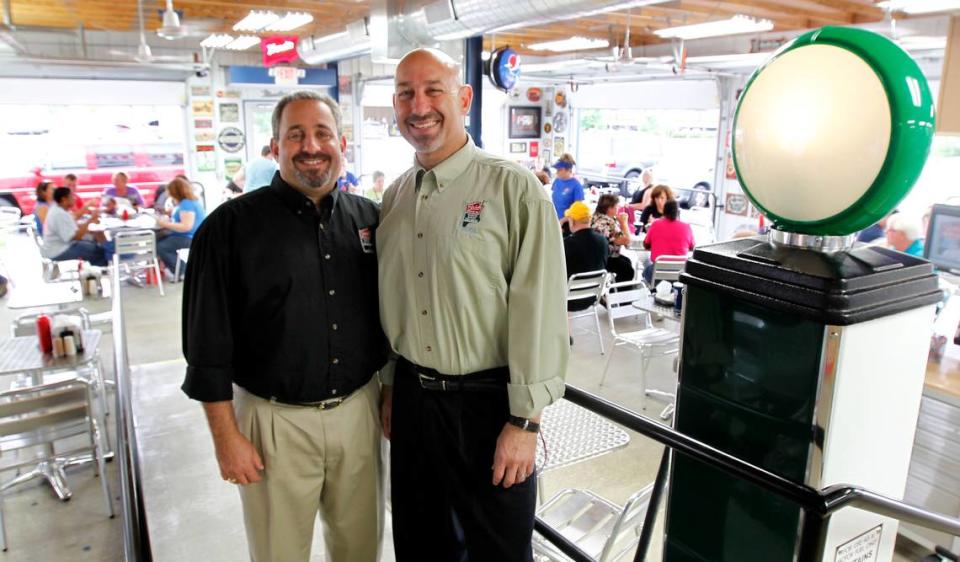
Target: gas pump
x=802 y=352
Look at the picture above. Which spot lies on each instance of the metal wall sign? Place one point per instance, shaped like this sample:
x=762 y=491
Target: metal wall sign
x=230 y=139
x=504 y=68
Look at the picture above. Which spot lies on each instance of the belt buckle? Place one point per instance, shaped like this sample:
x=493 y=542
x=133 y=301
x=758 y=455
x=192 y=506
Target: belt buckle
x=330 y=404
x=424 y=378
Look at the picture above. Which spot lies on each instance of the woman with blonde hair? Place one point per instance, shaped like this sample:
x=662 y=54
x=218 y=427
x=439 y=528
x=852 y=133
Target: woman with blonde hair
x=183 y=224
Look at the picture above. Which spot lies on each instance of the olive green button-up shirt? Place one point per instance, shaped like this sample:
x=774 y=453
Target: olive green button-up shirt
x=472 y=275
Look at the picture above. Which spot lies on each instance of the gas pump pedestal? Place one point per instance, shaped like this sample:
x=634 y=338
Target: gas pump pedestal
x=803 y=353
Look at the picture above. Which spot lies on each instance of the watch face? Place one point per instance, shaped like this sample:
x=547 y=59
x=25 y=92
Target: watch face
x=832 y=132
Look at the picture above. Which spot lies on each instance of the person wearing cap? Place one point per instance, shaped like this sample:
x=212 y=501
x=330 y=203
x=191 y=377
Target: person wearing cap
x=473 y=287
x=566 y=188
x=585 y=249
x=904 y=235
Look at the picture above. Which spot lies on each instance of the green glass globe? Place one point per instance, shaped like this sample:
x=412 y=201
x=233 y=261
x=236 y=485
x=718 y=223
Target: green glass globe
x=832 y=132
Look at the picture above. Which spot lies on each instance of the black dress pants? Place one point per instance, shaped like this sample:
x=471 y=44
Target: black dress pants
x=445 y=506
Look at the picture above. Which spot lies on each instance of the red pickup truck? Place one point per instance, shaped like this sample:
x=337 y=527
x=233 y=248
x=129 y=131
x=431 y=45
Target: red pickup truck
x=146 y=172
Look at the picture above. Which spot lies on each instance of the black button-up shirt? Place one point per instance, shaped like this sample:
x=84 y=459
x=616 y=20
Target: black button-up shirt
x=281 y=298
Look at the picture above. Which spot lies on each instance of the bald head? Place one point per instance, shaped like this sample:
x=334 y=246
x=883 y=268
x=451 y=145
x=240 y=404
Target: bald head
x=434 y=57
x=430 y=102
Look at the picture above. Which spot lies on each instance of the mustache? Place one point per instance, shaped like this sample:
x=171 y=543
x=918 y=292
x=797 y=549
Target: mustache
x=309 y=156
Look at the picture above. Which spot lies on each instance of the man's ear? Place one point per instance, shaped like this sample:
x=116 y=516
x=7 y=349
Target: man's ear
x=275 y=149
x=465 y=96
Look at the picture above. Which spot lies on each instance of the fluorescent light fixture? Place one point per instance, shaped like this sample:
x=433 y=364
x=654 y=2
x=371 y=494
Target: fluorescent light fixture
x=256 y=20
x=571 y=44
x=922 y=43
x=920 y=6
x=243 y=42
x=290 y=21
x=216 y=41
x=736 y=24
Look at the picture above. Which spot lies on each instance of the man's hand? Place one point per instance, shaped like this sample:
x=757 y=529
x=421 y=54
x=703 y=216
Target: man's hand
x=386 y=409
x=238 y=459
x=515 y=456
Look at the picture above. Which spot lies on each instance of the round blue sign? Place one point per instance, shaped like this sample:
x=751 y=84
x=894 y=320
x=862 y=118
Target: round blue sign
x=504 y=68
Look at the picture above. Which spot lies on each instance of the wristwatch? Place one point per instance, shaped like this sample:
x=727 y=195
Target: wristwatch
x=524 y=424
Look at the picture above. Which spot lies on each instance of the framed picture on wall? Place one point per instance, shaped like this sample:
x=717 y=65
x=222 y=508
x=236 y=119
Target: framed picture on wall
x=524 y=122
x=518 y=147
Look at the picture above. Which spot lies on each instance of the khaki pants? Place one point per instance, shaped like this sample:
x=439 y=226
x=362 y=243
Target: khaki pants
x=326 y=460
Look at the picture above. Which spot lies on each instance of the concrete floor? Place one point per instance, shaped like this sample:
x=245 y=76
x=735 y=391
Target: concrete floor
x=192 y=514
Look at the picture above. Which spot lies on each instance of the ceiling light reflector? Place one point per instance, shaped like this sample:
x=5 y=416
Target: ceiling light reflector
x=290 y=21
x=256 y=20
x=243 y=42
x=216 y=41
x=733 y=26
x=571 y=44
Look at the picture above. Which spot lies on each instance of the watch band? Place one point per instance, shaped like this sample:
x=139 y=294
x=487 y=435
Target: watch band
x=524 y=424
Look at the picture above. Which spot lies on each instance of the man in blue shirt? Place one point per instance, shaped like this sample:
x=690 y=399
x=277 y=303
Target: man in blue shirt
x=348 y=182
x=566 y=188
x=259 y=173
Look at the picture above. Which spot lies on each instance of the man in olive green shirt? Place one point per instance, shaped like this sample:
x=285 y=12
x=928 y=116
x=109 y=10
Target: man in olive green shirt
x=472 y=300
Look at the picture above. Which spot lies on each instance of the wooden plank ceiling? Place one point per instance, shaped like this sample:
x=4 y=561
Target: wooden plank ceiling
x=206 y=16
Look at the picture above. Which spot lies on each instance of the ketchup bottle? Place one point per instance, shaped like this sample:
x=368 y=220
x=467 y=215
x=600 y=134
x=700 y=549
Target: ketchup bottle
x=43 y=332
x=126 y=215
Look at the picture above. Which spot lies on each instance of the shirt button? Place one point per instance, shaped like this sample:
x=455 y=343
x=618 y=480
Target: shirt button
x=332 y=292
x=428 y=348
x=333 y=391
x=423 y=312
x=419 y=235
x=420 y=274
x=334 y=326
x=326 y=256
x=424 y=197
x=335 y=360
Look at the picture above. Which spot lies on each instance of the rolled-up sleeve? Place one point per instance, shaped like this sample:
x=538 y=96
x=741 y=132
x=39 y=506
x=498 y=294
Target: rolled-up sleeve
x=207 y=325
x=538 y=335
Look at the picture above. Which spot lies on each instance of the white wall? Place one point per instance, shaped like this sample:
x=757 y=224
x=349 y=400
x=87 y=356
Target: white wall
x=91 y=92
x=648 y=94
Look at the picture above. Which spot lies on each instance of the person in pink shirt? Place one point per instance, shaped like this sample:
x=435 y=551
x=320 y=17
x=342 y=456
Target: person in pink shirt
x=667 y=236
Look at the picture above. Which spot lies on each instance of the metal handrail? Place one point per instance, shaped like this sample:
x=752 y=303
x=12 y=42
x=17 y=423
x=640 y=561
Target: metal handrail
x=818 y=505
x=136 y=536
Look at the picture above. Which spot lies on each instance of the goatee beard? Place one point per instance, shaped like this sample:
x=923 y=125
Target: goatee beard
x=313 y=181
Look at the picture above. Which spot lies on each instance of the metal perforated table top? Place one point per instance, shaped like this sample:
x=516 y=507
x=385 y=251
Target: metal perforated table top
x=574 y=434
x=22 y=355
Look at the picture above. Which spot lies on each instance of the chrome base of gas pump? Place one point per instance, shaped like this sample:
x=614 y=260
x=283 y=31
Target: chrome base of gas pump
x=818 y=242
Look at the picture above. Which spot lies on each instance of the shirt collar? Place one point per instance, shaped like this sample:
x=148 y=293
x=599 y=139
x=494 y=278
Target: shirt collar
x=450 y=169
x=297 y=201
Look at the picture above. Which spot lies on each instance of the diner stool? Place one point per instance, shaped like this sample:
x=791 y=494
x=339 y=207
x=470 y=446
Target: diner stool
x=43 y=415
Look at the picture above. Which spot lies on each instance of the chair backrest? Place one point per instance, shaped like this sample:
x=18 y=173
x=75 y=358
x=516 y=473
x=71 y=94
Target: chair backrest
x=9 y=217
x=667 y=268
x=34 y=408
x=135 y=245
x=620 y=298
x=626 y=530
x=587 y=285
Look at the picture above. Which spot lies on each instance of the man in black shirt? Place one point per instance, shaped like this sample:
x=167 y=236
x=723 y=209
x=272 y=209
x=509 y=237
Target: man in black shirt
x=585 y=249
x=282 y=338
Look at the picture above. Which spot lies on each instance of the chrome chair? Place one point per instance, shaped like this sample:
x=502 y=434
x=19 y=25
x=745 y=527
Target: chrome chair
x=183 y=254
x=598 y=526
x=586 y=286
x=137 y=250
x=650 y=341
x=44 y=415
x=51 y=268
x=667 y=268
x=9 y=218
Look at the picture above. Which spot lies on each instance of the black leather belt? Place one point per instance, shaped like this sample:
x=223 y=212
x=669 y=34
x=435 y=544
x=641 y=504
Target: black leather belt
x=487 y=380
